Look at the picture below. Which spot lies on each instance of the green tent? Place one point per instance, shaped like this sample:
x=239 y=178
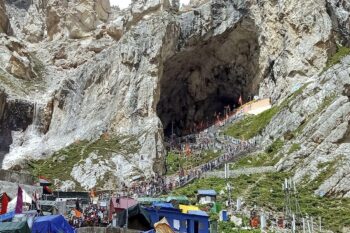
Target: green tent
x=14 y=227
x=217 y=207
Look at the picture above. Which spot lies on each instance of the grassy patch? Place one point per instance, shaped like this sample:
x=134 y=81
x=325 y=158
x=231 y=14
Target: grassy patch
x=328 y=168
x=266 y=191
x=226 y=227
x=255 y=124
x=266 y=158
x=275 y=147
x=295 y=147
x=229 y=227
x=252 y=125
x=60 y=165
x=336 y=58
x=174 y=160
x=332 y=210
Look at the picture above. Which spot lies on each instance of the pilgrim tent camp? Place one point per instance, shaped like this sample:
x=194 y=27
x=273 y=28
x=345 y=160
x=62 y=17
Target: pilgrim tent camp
x=25 y=198
x=19 y=203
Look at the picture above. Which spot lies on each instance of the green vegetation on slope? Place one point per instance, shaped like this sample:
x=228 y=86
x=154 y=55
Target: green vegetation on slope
x=267 y=158
x=266 y=191
x=175 y=160
x=336 y=58
x=60 y=165
x=295 y=147
x=229 y=227
x=253 y=125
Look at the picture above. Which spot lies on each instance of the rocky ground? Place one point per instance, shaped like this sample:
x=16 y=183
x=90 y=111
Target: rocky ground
x=73 y=73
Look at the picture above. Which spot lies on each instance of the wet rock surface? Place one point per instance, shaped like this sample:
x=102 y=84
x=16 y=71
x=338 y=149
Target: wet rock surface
x=93 y=70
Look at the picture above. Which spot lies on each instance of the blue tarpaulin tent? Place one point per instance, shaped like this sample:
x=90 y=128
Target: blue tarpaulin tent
x=162 y=205
x=52 y=224
x=7 y=216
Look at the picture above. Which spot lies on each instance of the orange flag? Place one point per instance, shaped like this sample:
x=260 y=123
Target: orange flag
x=77 y=213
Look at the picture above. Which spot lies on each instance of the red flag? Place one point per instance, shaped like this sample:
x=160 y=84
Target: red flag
x=4 y=202
x=240 y=101
x=19 y=204
x=47 y=190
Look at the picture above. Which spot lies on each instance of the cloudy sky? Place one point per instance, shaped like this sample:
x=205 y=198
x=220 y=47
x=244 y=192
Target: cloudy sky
x=125 y=3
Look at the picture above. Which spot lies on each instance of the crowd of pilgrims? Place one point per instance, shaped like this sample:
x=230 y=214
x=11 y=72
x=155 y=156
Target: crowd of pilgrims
x=97 y=216
x=92 y=215
x=229 y=147
x=207 y=139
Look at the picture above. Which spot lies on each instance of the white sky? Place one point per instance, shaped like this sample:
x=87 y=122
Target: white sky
x=125 y=3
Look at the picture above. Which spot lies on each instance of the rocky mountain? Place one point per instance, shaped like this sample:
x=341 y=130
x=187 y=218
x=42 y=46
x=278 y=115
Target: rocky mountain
x=97 y=88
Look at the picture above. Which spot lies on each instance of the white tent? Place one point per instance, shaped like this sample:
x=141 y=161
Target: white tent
x=26 y=199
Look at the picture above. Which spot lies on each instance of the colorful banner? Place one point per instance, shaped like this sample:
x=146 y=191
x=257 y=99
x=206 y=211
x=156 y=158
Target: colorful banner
x=19 y=204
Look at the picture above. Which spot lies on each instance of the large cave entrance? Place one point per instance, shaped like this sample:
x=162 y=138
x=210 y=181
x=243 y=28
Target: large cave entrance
x=200 y=81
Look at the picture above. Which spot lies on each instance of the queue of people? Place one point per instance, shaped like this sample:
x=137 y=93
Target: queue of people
x=159 y=185
x=203 y=137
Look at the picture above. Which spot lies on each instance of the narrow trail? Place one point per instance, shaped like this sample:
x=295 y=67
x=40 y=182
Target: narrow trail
x=242 y=171
x=211 y=138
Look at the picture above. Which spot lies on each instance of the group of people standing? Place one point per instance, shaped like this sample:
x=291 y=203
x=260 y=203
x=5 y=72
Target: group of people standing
x=207 y=139
x=229 y=147
x=92 y=215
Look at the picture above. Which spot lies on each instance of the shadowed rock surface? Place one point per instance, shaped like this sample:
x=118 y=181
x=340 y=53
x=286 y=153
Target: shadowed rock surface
x=73 y=72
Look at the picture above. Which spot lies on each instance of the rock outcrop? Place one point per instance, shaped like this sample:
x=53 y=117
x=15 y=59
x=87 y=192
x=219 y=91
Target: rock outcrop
x=318 y=120
x=92 y=70
x=339 y=13
x=4 y=21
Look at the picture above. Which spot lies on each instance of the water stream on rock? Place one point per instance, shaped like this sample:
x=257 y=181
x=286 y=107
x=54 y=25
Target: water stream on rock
x=26 y=142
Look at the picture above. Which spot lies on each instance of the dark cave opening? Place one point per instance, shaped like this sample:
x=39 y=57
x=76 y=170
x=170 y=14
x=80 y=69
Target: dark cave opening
x=198 y=82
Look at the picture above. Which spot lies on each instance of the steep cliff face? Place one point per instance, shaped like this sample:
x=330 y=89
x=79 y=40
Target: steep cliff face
x=315 y=130
x=86 y=71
